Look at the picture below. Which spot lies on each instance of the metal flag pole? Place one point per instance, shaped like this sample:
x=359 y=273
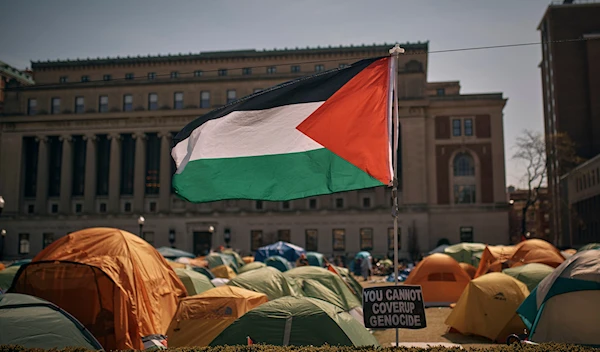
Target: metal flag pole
x=395 y=52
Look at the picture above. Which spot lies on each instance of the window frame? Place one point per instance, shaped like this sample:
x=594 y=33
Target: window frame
x=271 y=70
x=229 y=99
x=260 y=239
x=151 y=75
x=202 y=100
x=45 y=243
x=338 y=244
x=129 y=76
x=364 y=233
x=456 y=127
x=466 y=229
x=107 y=77
x=85 y=78
x=174 y=74
x=31 y=110
x=246 y=71
x=54 y=109
x=198 y=73
x=295 y=69
x=24 y=237
x=319 y=68
x=127 y=106
x=390 y=238
x=178 y=104
x=77 y=108
x=222 y=72
x=152 y=105
x=468 y=130
x=308 y=233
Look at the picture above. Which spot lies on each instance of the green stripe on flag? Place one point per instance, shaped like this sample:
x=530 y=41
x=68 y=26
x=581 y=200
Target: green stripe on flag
x=277 y=177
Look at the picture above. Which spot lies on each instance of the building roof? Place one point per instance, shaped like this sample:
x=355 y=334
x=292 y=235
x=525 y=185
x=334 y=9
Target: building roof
x=23 y=77
x=245 y=53
x=565 y=4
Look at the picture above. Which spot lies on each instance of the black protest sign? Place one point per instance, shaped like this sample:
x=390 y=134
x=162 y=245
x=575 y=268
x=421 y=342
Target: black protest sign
x=389 y=307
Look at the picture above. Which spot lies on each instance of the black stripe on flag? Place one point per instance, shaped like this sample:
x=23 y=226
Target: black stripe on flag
x=310 y=89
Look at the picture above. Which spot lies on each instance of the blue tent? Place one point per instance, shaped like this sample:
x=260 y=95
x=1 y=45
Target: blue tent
x=286 y=250
x=174 y=253
x=362 y=255
x=278 y=263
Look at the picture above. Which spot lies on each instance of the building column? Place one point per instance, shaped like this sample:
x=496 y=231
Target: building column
x=114 y=189
x=66 y=174
x=139 y=174
x=41 y=199
x=90 y=174
x=164 y=203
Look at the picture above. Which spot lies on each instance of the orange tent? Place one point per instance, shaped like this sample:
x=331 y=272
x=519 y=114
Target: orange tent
x=248 y=259
x=115 y=283
x=492 y=259
x=2 y=267
x=441 y=279
x=536 y=251
x=469 y=269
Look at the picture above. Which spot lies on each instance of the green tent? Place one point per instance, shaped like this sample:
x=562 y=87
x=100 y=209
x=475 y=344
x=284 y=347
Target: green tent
x=194 y=282
x=323 y=284
x=589 y=246
x=6 y=277
x=267 y=280
x=530 y=274
x=463 y=252
x=203 y=271
x=296 y=321
x=315 y=259
x=476 y=259
x=252 y=266
x=217 y=259
x=32 y=322
x=351 y=281
x=236 y=257
x=279 y=263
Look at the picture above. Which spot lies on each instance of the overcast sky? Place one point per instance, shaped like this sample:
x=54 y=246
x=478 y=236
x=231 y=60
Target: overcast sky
x=45 y=29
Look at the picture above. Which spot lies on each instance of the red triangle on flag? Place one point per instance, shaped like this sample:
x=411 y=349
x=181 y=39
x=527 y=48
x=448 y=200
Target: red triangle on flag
x=353 y=122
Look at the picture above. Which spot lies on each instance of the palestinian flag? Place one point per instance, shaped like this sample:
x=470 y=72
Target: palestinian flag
x=321 y=134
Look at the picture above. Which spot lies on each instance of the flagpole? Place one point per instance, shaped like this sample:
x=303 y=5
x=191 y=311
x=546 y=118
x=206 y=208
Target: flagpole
x=395 y=52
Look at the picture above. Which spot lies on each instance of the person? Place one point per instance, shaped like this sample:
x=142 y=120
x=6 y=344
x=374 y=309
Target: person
x=302 y=261
x=366 y=267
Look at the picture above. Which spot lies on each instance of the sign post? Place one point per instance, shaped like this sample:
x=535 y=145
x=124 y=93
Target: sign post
x=394 y=307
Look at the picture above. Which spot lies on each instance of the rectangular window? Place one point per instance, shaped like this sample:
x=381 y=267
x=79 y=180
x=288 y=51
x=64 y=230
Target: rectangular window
x=258 y=205
x=102 y=164
x=339 y=203
x=54 y=208
x=127 y=207
x=30 y=208
x=366 y=202
x=339 y=239
x=271 y=70
x=231 y=95
x=466 y=234
x=312 y=203
x=198 y=73
x=54 y=165
x=319 y=68
x=222 y=72
x=102 y=208
x=47 y=239
x=178 y=100
x=151 y=75
x=246 y=71
x=256 y=239
x=85 y=78
x=148 y=236
x=127 y=102
x=129 y=76
x=205 y=100
x=464 y=194
x=311 y=240
x=152 y=207
x=55 y=107
x=285 y=205
x=63 y=79
x=152 y=163
x=31 y=106
x=79 y=156
x=79 y=105
x=152 y=101
x=284 y=235
x=23 y=243
x=174 y=74
x=456 y=130
x=31 y=149
x=468 y=127
x=440 y=92
x=366 y=239
x=103 y=103
x=106 y=77
x=127 y=163
x=78 y=208
x=391 y=238
x=295 y=69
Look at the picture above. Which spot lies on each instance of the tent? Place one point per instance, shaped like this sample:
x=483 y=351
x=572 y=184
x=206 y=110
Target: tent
x=238 y=260
x=203 y=271
x=268 y=280
x=279 y=263
x=32 y=322
x=248 y=259
x=252 y=266
x=223 y=271
x=175 y=265
x=439 y=249
x=219 y=282
x=463 y=252
x=315 y=259
x=174 y=253
x=565 y=306
x=469 y=269
x=20 y=262
x=2 y=266
x=199 y=319
x=115 y=283
x=487 y=307
x=536 y=251
x=289 y=251
x=589 y=246
x=217 y=259
x=493 y=259
x=194 y=282
x=350 y=281
x=323 y=284
x=6 y=277
x=441 y=279
x=530 y=274
x=296 y=321
x=194 y=262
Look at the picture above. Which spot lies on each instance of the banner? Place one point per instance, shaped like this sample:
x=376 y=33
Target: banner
x=389 y=307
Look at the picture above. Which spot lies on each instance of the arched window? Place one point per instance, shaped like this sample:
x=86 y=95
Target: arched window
x=413 y=66
x=464 y=165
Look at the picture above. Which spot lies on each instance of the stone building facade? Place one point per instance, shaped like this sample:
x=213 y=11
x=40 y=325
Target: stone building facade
x=89 y=145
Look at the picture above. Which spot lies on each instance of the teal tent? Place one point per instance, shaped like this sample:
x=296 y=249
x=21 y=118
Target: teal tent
x=217 y=259
x=7 y=276
x=204 y=272
x=279 y=263
x=530 y=274
x=463 y=252
x=32 y=322
x=237 y=258
x=174 y=253
x=315 y=259
x=589 y=246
